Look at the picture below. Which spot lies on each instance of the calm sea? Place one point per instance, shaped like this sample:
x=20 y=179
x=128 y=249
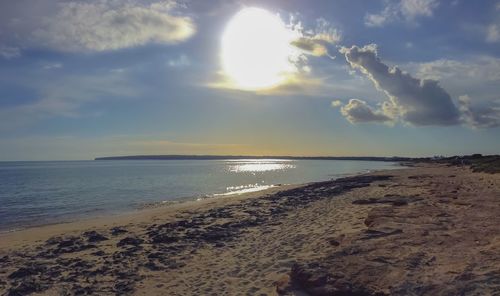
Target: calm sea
x=36 y=193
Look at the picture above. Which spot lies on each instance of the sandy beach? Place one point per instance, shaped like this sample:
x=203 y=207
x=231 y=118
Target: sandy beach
x=424 y=230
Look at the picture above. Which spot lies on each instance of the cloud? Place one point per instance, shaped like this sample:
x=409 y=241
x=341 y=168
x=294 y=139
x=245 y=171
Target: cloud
x=480 y=116
x=358 y=111
x=311 y=46
x=179 y=62
x=493 y=33
x=423 y=102
x=412 y=9
x=315 y=41
x=416 y=101
x=8 y=52
x=475 y=75
x=51 y=66
x=336 y=103
x=404 y=10
x=484 y=68
x=102 y=25
x=324 y=31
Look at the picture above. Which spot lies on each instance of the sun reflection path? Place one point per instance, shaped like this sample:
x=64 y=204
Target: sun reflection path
x=260 y=165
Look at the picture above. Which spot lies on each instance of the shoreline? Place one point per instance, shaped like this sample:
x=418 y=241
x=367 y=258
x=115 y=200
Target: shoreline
x=428 y=229
x=150 y=206
x=109 y=217
x=38 y=232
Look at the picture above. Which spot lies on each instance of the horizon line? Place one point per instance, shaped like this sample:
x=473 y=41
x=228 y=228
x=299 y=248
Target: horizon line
x=239 y=156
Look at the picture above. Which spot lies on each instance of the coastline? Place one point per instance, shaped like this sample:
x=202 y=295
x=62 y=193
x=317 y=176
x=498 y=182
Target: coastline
x=110 y=204
x=147 y=209
x=426 y=228
x=36 y=234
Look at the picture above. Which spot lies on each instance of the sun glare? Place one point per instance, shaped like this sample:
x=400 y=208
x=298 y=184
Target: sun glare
x=257 y=51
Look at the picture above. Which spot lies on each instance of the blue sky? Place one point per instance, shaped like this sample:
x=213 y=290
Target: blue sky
x=104 y=77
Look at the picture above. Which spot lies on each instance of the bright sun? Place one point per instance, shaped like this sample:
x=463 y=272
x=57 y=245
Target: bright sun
x=257 y=51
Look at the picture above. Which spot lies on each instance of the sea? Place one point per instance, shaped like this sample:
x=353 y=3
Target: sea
x=46 y=192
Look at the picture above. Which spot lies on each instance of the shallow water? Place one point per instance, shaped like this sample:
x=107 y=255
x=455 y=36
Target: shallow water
x=36 y=193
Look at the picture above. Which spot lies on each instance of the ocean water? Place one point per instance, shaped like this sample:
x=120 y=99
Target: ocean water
x=37 y=193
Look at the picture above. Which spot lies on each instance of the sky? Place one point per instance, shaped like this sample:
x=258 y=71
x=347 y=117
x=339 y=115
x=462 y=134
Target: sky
x=84 y=79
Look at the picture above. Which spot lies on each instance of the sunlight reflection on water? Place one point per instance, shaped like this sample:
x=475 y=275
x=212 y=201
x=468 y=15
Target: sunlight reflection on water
x=259 y=165
x=244 y=189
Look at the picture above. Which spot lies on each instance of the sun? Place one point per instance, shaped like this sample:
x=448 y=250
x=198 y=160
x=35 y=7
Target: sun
x=257 y=51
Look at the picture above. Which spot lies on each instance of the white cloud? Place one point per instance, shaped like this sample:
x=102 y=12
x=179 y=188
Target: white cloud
x=412 y=9
x=404 y=10
x=336 y=103
x=311 y=46
x=51 y=66
x=480 y=116
x=9 y=52
x=478 y=76
x=483 y=68
x=315 y=41
x=378 y=20
x=179 y=62
x=100 y=25
x=416 y=101
x=326 y=32
x=493 y=33
x=118 y=70
x=492 y=30
x=358 y=111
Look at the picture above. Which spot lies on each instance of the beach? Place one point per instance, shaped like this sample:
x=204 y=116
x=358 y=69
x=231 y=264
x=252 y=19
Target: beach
x=430 y=229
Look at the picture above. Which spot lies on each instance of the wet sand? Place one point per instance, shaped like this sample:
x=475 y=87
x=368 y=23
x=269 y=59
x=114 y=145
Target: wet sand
x=427 y=230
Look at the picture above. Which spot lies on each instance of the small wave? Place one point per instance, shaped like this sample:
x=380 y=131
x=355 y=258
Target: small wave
x=9 y=230
x=237 y=190
x=156 y=204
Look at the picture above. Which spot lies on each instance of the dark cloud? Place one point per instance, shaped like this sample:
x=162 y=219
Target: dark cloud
x=416 y=101
x=358 y=111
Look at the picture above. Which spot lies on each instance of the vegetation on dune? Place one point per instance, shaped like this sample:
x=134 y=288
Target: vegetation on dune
x=477 y=162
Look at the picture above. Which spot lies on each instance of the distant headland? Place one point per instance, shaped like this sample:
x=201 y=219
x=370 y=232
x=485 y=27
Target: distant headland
x=477 y=162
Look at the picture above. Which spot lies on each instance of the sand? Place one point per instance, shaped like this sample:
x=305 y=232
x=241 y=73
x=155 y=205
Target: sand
x=426 y=230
